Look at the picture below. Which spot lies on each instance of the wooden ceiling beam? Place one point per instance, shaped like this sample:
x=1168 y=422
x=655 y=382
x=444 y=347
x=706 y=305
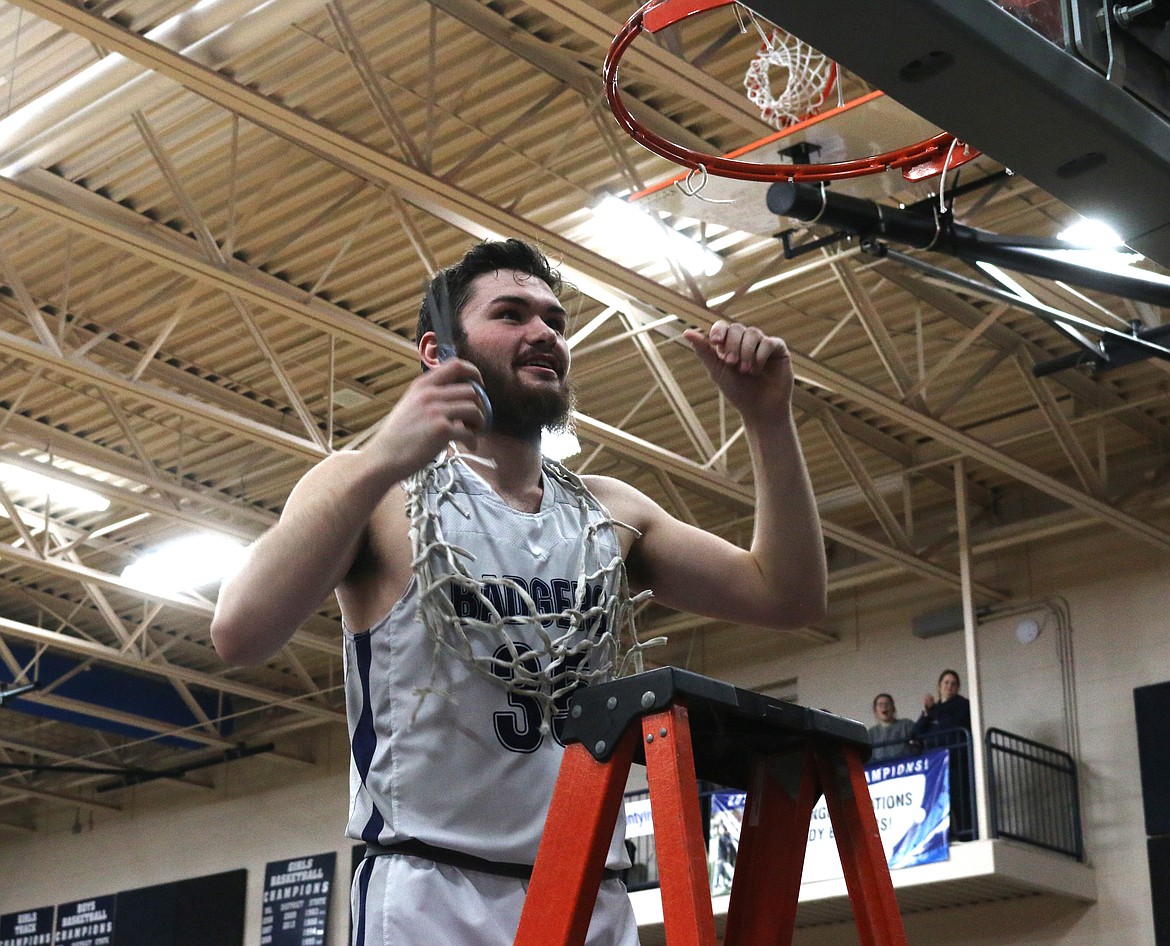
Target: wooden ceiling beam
x=601 y=278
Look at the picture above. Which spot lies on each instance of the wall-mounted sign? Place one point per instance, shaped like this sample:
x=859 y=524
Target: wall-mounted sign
x=27 y=928
x=296 y=901
x=86 y=922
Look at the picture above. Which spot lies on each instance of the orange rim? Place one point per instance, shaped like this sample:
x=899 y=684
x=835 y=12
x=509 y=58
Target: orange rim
x=665 y=13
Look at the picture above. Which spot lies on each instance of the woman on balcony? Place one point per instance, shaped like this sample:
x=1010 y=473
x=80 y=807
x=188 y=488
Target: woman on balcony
x=946 y=723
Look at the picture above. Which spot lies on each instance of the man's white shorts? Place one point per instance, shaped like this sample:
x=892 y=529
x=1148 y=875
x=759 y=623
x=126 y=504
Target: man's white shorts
x=401 y=900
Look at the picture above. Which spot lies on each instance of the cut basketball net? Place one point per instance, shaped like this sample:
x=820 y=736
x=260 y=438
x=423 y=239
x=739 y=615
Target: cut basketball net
x=657 y=15
x=591 y=640
x=809 y=78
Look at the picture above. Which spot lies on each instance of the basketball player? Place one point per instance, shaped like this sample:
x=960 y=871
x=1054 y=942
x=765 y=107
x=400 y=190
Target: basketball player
x=461 y=578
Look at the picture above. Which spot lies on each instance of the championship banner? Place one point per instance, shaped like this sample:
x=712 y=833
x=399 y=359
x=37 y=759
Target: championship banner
x=912 y=803
x=27 y=928
x=296 y=901
x=86 y=922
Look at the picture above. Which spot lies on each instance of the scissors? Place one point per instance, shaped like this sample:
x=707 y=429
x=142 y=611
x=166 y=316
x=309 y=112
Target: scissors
x=439 y=306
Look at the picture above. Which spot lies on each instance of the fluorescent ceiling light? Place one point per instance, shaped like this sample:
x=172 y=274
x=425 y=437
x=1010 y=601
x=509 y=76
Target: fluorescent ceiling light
x=1091 y=245
x=1097 y=245
x=631 y=231
x=30 y=487
x=1109 y=261
x=1090 y=235
x=559 y=444
x=186 y=564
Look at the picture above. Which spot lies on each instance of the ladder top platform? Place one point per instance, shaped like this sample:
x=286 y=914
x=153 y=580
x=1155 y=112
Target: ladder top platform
x=729 y=725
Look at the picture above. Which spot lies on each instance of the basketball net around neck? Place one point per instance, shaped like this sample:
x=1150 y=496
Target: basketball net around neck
x=600 y=642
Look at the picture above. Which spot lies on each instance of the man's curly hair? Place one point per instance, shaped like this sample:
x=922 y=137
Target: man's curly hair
x=486 y=257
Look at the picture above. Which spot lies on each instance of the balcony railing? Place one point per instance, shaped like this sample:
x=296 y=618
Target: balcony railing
x=1033 y=794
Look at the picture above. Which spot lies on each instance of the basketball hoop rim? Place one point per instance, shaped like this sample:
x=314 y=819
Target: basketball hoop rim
x=668 y=12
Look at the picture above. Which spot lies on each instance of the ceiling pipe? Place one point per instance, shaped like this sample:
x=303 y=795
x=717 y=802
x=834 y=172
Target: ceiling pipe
x=211 y=33
x=940 y=233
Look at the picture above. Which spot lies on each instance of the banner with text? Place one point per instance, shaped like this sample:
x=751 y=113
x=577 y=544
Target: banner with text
x=912 y=803
x=639 y=822
x=296 y=901
x=86 y=922
x=27 y=928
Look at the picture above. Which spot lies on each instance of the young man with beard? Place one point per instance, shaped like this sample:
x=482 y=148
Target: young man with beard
x=473 y=576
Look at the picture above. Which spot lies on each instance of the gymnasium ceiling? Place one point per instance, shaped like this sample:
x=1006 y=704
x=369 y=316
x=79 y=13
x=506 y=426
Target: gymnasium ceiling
x=210 y=267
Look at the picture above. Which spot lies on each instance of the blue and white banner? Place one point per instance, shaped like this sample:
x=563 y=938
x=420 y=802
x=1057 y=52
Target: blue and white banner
x=296 y=901
x=912 y=803
x=86 y=922
x=723 y=839
x=27 y=928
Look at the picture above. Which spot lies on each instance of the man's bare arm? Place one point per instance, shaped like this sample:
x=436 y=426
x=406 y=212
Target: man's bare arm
x=322 y=532
x=297 y=564
x=780 y=581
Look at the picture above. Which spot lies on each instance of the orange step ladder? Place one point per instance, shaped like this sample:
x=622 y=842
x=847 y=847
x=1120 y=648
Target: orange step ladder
x=784 y=756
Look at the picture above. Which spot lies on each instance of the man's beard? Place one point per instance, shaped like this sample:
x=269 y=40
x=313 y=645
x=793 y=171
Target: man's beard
x=520 y=411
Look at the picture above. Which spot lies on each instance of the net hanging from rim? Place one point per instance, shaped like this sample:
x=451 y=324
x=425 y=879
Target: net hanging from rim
x=915 y=161
x=809 y=76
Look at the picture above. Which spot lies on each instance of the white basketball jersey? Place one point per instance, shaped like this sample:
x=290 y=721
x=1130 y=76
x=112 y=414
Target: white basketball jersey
x=470 y=769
